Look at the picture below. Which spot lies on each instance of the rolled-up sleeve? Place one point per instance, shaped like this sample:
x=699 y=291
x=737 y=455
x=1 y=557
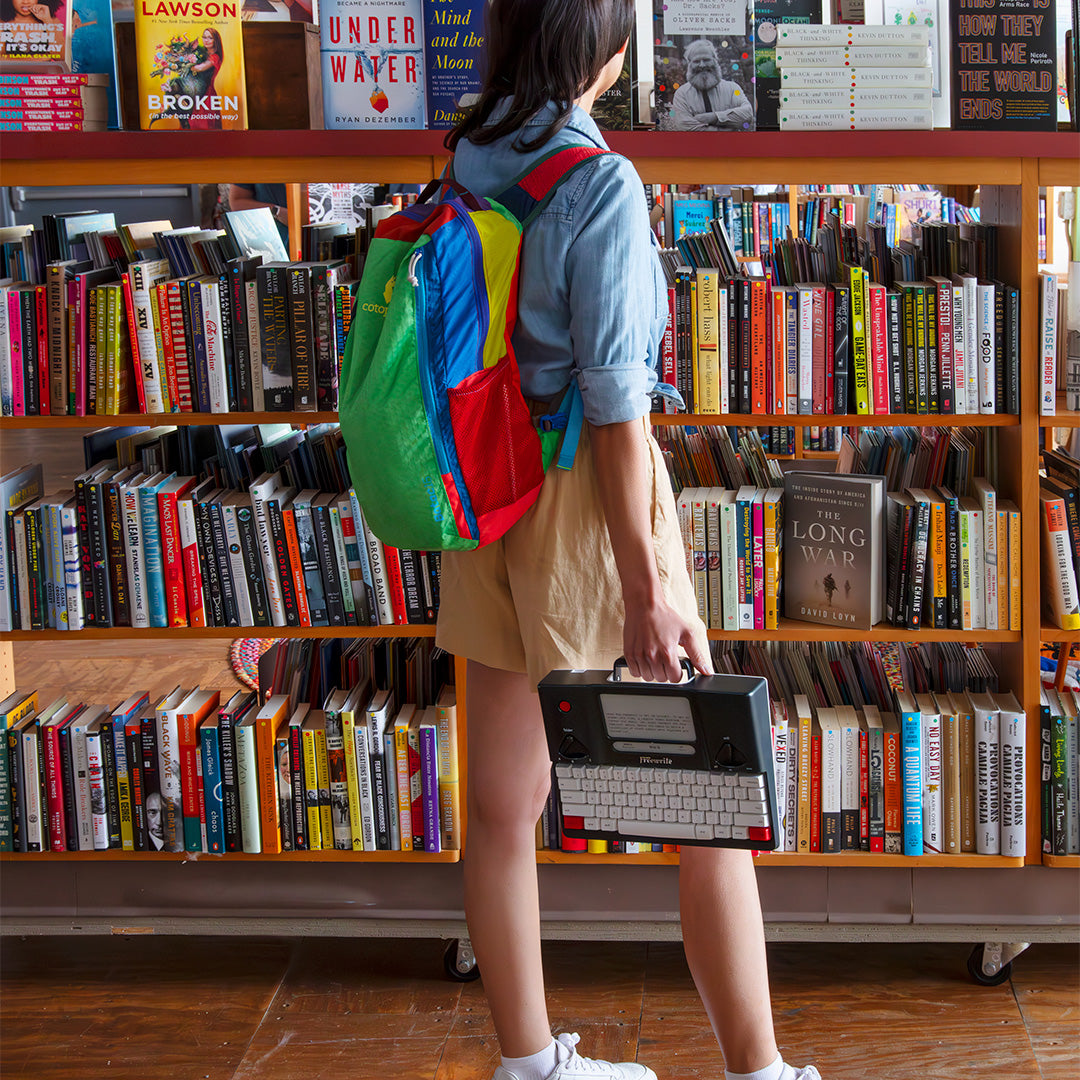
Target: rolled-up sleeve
x=612 y=290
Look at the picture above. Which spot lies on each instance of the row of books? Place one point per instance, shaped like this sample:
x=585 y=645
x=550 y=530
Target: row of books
x=839 y=78
x=1059 y=767
x=754 y=222
x=201 y=322
x=1059 y=345
x=190 y=773
x=1059 y=525
x=896 y=216
x=128 y=548
x=54 y=102
x=737 y=344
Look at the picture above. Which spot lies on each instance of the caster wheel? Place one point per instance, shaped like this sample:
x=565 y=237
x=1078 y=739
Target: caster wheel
x=459 y=961
x=975 y=969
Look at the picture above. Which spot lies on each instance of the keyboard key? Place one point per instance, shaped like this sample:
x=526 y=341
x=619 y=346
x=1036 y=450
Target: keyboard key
x=761 y=834
x=698 y=791
x=671 y=815
x=573 y=821
x=562 y=770
x=738 y=832
x=588 y=784
x=757 y=820
x=722 y=832
x=756 y=780
x=633 y=800
x=592 y=824
x=697 y=817
x=648 y=801
x=661 y=802
x=711 y=817
x=684 y=816
x=659 y=829
x=703 y=832
x=576 y=812
x=671 y=789
x=569 y=783
x=752 y=807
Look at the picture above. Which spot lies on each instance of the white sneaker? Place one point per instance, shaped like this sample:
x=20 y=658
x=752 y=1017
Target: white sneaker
x=572 y=1066
x=808 y=1073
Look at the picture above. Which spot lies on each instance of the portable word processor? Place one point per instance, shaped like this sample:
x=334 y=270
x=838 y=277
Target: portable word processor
x=673 y=763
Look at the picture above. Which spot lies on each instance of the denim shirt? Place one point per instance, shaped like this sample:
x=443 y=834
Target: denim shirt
x=592 y=299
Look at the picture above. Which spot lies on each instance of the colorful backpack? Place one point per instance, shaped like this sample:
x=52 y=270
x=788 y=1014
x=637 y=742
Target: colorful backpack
x=442 y=450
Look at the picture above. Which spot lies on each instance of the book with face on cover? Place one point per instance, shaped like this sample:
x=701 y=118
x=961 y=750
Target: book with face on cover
x=703 y=65
x=833 y=542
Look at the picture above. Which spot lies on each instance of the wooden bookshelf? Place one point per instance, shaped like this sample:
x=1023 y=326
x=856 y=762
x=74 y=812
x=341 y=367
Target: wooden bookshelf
x=114 y=855
x=1051 y=633
x=1009 y=167
x=1066 y=418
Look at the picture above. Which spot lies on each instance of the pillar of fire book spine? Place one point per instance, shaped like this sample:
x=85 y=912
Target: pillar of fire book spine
x=190 y=62
x=372 y=64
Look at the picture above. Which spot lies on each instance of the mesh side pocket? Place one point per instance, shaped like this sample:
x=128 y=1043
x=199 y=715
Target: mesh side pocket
x=498 y=447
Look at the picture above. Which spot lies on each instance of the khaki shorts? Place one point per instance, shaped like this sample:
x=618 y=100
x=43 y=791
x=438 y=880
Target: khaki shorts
x=547 y=595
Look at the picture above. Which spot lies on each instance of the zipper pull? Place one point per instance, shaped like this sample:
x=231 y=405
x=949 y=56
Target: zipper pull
x=414 y=281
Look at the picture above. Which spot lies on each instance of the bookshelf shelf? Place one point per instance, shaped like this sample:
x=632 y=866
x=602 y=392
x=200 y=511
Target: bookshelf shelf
x=140 y=157
x=11 y=423
x=199 y=633
x=1061 y=862
x=792 y=630
x=1055 y=634
x=235 y=856
x=850 y=859
x=820 y=420
x=1062 y=418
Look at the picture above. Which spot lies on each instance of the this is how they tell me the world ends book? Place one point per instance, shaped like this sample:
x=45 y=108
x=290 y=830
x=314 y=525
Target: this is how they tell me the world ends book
x=833 y=543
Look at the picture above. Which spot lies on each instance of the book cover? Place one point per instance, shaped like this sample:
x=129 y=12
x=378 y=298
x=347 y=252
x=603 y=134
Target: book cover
x=36 y=37
x=190 y=61
x=703 y=59
x=1003 y=64
x=372 y=64
x=93 y=48
x=833 y=548
x=453 y=58
x=768 y=14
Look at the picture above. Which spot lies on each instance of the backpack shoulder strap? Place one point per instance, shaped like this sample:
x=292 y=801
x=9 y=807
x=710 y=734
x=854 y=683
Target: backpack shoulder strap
x=534 y=188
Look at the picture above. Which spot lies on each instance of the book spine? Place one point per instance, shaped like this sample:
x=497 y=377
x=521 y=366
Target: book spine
x=172 y=562
x=430 y=787
x=912 y=783
x=230 y=792
x=95 y=772
x=365 y=791
x=339 y=784
x=1013 y=785
x=220 y=548
x=155 y=570
x=879 y=356
x=210 y=754
x=276 y=526
x=265 y=780
x=298 y=805
x=301 y=340
x=123 y=787
x=191 y=564
x=237 y=567
x=987 y=782
x=876 y=808
x=932 y=782
x=352 y=781
x=1048 y=343
x=249 y=549
x=247 y=782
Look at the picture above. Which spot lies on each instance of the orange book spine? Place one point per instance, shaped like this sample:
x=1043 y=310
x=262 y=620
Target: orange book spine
x=292 y=542
x=779 y=352
x=266 y=725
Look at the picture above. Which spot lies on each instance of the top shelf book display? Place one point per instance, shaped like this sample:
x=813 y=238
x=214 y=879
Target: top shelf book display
x=410 y=156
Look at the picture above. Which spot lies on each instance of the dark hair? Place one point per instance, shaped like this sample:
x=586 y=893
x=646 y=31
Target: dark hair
x=7 y=9
x=219 y=49
x=540 y=51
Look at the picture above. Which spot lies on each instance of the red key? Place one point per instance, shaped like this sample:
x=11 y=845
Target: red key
x=758 y=832
x=573 y=822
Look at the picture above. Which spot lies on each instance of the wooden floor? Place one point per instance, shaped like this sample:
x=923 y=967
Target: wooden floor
x=235 y=1009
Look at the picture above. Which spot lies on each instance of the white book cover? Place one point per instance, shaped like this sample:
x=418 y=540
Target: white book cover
x=874 y=56
x=31 y=767
x=959 y=351
x=363 y=774
x=978 y=577
x=987 y=497
x=144 y=276
x=986 y=347
x=1012 y=732
x=847 y=98
x=806 y=349
x=81 y=768
x=849 y=771
x=832 y=793
x=215 y=346
x=969 y=285
x=855 y=119
x=248 y=784
x=813 y=35
x=933 y=800
x=1048 y=338
x=134 y=552
x=236 y=560
x=987 y=774
x=251 y=300
x=261 y=490
x=99 y=821
x=800 y=76
x=168 y=738
x=69 y=531
x=729 y=561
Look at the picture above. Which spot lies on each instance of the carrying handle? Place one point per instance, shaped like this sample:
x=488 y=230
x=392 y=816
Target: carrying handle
x=691 y=672
x=467 y=197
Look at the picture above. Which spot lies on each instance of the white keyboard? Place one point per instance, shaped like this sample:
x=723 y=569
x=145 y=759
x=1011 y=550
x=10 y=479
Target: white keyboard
x=664 y=805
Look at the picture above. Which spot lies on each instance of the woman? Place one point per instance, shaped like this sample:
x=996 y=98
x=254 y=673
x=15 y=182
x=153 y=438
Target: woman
x=31 y=11
x=596 y=568
x=203 y=73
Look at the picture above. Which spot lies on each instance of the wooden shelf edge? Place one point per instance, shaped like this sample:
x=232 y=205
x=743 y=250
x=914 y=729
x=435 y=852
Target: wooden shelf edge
x=1056 y=634
x=1068 y=862
x=845 y=860
x=1062 y=418
x=791 y=630
x=10 y=423
x=233 y=856
x=197 y=633
x=842 y=420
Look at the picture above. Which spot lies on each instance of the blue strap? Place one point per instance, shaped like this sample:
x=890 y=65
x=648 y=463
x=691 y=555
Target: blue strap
x=574 y=421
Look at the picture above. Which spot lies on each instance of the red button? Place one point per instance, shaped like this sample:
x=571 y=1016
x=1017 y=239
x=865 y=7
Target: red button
x=564 y=706
x=757 y=832
x=573 y=822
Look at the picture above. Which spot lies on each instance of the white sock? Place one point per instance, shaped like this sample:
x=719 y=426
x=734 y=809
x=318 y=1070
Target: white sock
x=536 y=1066
x=771 y=1072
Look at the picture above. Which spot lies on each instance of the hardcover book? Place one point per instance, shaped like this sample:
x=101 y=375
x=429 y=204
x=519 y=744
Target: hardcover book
x=703 y=58
x=190 y=61
x=372 y=64
x=453 y=58
x=833 y=547
x=768 y=14
x=1003 y=65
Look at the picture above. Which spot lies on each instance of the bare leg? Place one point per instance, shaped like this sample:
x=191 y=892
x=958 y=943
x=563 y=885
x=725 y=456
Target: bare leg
x=725 y=948
x=509 y=775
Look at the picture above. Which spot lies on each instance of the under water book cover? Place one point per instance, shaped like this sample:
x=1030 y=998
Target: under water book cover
x=372 y=64
x=190 y=59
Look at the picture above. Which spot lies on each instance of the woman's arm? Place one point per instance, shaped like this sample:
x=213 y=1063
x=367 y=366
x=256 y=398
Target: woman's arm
x=653 y=630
